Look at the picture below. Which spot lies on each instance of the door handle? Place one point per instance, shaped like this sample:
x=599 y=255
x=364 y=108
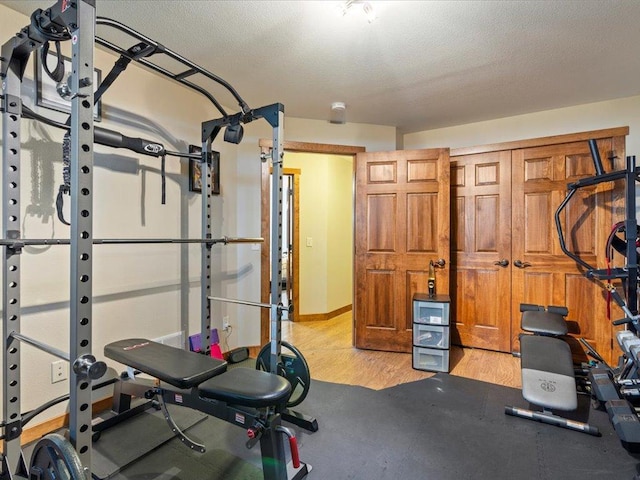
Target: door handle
x=440 y=263
x=502 y=263
x=521 y=264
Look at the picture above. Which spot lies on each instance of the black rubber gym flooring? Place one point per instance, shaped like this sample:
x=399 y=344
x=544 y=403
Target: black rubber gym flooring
x=441 y=428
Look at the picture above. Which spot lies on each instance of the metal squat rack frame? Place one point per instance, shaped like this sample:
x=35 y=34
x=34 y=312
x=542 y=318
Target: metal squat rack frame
x=77 y=21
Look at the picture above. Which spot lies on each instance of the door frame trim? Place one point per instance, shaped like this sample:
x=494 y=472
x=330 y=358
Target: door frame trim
x=541 y=141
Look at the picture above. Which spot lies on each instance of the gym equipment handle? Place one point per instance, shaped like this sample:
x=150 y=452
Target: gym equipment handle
x=293 y=445
x=502 y=263
x=521 y=264
x=622 y=321
x=595 y=156
x=115 y=139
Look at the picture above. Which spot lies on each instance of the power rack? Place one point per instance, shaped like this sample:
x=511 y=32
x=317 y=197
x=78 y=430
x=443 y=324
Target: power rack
x=76 y=21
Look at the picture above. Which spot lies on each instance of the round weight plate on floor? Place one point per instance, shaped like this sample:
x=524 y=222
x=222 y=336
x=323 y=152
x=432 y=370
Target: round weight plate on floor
x=54 y=458
x=292 y=366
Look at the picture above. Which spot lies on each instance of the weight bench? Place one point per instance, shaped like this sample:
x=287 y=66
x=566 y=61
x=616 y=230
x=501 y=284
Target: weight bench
x=249 y=398
x=548 y=378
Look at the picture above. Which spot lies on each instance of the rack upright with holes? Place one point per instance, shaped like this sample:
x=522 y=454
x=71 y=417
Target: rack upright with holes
x=77 y=21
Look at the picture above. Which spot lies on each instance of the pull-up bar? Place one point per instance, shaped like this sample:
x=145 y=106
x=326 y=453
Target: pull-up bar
x=192 y=68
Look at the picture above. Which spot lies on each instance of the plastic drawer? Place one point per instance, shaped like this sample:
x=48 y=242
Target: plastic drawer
x=430 y=336
x=432 y=313
x=430 y=359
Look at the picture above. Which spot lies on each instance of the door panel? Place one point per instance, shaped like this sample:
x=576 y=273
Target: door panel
x=488 y=296
x=547 y=276
x=401 y=224
x=481 y=192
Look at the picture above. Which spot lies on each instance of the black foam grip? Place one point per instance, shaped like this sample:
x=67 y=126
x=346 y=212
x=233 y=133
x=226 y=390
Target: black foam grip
x=111 y=138
x=595 y=155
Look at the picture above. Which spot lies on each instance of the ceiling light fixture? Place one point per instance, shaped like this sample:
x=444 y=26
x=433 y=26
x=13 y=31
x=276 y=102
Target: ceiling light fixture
x=367 y=8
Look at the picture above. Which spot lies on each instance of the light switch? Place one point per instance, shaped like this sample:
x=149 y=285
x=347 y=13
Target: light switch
x=309 y=242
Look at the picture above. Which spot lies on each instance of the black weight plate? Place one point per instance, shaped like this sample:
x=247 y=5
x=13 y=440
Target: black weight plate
x=292 y=366
x=54 y=458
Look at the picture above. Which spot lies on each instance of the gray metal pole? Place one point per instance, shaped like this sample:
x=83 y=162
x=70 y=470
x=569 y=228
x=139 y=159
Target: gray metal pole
x=243 y=302
x=13 y=460
x=81 y=272
x=42 y=346
x=205 y=265
x=277 y=154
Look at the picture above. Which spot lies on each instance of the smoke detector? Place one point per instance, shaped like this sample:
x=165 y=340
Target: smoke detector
x=338 y=113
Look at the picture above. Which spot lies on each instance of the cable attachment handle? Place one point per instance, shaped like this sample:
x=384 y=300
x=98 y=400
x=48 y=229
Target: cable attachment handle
x=293 y=445
x=630 y=317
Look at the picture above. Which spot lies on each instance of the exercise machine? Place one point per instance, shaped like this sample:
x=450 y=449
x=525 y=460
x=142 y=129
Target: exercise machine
x=55 y=456
x=548 y=378
x=289 y=363
x=248 y=398
x=616 y=388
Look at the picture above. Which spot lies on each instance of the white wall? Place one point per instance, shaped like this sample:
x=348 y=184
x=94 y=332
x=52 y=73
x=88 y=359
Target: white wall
x=326 y=216
x=315 y=173
x=593 y=116
x=340 y=233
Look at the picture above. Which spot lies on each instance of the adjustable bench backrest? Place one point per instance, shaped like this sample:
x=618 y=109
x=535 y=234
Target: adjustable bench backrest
x=175 y=366
x=186 y=370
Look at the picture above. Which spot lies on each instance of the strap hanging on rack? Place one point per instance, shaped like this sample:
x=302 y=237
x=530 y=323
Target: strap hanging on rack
x=58 y=73
x=139 y=50
x=65 y=188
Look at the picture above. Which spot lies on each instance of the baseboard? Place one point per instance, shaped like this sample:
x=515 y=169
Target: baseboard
x=314 y=317
x=254 y=351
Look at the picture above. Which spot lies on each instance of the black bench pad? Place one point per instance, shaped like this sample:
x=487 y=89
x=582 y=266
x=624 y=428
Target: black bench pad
x=175 y=366
x=543 y=322
x=547 y=372
x=248 y=387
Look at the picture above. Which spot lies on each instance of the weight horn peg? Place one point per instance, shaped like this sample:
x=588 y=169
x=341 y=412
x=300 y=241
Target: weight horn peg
x=88 y=366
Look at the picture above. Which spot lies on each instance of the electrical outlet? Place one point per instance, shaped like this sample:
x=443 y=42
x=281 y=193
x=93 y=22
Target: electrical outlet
x=225 y=324
x=59 y=371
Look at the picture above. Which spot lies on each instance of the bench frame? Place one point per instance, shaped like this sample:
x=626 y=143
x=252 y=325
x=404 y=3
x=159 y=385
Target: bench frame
x=547 y=324
x=267 y=421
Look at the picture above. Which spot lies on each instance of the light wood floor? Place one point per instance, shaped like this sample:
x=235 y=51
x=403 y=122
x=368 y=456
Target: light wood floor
x=327 y=347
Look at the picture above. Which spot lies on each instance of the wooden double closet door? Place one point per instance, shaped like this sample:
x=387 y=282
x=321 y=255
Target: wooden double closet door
x=487 y=214
x=504 y=244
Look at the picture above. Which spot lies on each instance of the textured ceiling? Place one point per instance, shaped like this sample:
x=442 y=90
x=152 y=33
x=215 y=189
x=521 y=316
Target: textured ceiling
x=419 y=65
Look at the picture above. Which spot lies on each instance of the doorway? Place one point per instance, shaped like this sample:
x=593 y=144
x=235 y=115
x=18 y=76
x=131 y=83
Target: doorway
x=288 y=147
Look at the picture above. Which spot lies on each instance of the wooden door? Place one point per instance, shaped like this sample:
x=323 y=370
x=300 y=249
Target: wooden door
x=401 y=224
x=481 y=250
x=542 y=273
x=540 y=171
